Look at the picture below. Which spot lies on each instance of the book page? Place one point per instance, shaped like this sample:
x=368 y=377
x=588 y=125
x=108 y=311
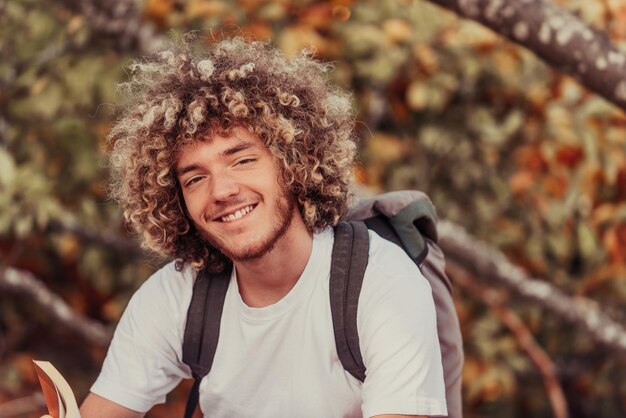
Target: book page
x=56 y=391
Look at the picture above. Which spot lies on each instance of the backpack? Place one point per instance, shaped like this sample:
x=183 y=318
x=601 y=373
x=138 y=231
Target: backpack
x=406 y=218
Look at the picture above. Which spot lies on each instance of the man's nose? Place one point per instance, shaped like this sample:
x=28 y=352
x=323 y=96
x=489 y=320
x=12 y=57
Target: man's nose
x=224 y=187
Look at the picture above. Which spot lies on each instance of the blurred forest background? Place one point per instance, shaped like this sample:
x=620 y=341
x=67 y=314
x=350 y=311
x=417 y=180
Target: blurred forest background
x=526 y=167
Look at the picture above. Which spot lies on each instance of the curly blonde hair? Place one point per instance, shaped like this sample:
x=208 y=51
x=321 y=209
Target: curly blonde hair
x=185 y=94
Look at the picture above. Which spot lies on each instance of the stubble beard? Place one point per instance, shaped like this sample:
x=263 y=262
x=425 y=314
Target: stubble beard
x=285 y=211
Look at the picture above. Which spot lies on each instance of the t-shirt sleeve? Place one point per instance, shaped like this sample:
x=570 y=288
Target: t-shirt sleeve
x=144 y=360
x=398 y=337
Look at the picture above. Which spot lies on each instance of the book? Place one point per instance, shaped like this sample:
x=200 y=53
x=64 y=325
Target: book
x=56 y=391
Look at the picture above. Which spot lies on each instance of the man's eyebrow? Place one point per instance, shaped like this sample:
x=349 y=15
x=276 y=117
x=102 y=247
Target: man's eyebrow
x=186 y=169
x=241 y=146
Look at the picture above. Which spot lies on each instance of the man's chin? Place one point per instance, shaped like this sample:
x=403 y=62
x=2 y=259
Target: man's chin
x=237 y=251
x=249 y=253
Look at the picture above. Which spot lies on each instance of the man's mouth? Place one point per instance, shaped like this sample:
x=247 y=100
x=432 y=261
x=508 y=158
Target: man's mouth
x=237 y=214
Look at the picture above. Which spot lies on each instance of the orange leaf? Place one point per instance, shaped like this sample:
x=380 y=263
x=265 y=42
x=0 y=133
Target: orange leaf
x=258 y=30
x=570 y=155
x=531 y=158
x=341 y=12
x=603 y=214
x=593 y=181
x=296 y=38
x=615 y=242
x=158 y=11
x=398 y=30
x=69 y=247
x=620 y=184
x=196 y=9
x=555 y=185
x=319 y=15
x=361 y=175
x=426 y=57
x=619 y=19
x=521 y=182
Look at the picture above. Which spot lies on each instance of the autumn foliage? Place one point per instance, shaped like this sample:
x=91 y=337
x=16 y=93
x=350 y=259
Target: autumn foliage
x=522 y=156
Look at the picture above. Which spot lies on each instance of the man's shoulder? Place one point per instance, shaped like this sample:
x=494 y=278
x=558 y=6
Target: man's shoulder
x=389 y=257
x=166 y=283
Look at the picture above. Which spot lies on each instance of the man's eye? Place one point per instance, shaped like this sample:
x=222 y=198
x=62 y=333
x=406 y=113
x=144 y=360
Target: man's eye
x=246 y=161
x=192 y=181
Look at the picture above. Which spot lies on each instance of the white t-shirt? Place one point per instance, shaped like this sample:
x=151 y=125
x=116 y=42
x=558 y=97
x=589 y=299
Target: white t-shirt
x=281 y=360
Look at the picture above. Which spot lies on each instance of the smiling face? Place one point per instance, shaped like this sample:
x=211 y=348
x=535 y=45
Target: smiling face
x=231 y=189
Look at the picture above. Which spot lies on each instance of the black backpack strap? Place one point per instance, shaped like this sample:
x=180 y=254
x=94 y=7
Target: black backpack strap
x=192 y=399
x=349 y=260
x=202 y=329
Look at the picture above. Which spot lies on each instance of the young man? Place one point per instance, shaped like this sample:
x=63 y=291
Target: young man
x=238 y=156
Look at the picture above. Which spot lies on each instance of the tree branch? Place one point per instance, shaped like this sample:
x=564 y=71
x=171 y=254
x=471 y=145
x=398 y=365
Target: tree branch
x=491 y=265
x=557 y=36
x=25 y=283
x=124 y=245
x=524 y=337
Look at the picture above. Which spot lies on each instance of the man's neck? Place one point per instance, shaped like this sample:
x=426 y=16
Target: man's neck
x=266 y=280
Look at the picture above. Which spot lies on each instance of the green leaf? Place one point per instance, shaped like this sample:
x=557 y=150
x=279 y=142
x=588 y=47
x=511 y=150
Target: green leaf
x=7 y=169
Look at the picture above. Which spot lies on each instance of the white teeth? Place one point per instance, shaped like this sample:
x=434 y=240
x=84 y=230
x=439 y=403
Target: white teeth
x=237 y=215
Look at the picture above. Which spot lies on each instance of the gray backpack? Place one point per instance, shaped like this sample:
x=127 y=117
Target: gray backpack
x=406 y=218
